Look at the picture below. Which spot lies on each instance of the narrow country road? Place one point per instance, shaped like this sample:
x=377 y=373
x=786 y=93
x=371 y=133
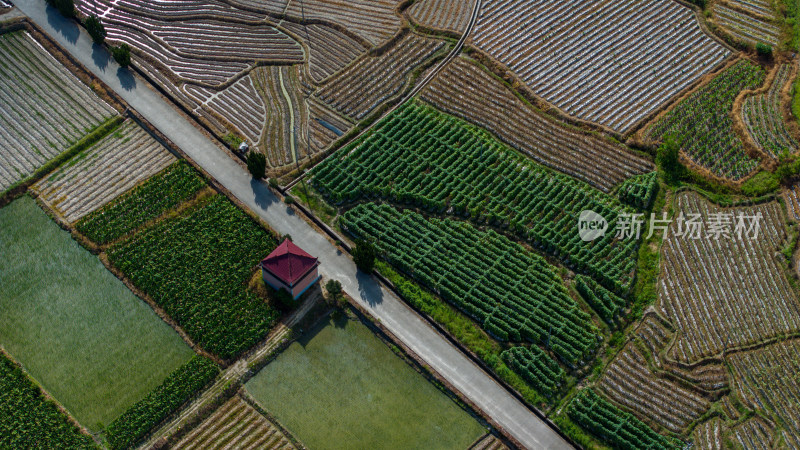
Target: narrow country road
x=402 y=321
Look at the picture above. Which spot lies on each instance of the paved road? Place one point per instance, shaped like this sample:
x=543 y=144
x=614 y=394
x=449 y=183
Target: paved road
x=402 y=321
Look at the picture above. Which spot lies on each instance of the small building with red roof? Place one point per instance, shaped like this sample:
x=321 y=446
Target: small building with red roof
x=290 y=267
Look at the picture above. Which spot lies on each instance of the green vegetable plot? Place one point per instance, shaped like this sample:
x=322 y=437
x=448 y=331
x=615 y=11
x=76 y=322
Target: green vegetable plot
x=513 y=293
x=615 y=427
x=422 y=157
x=197 y=267
x=173 y=186
x=28 y=420
x=701 y=123
x=536 y=367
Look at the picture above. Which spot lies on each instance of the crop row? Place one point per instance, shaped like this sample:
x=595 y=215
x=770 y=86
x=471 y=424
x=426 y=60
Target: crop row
x=373 y=20
x=465 y=90
x=330 y=50
x=43 y=107
x=197 y=267
x=180 y=386
x=157 y=195
x=608 y=62
x=536 y=367
x=764 y=119
x=702 y=124
x=607 y=305
x=757 y=434
x=372 y=80
x=708 y=435
x=514 y=294
x=725 y=292
x=240 y=104
x=448 y=15
x=629 y=382
x=100 y=174
x=235 y=425
x=766 y=381
x=792 y=198
x=615 y=427
x=28 y=419
x=745 y=27
x=639 y=191
x=422 y=157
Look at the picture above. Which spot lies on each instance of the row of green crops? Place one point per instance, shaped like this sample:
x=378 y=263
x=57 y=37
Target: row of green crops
x=607 y=305
x=702 y=124
x=176 y=184
x=615 y=427
x=420 y=156
x=536 y=367
x=132 y=426
x=639 y=191
x=197 y=266
x=513 y=293
x=28 y=419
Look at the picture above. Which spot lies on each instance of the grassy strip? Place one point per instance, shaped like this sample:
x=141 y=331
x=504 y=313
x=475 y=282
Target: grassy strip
x=197 y=266
x=85 y=142
x=175 y=185
x=462 y=328
x=28 y=419
x=132 y=426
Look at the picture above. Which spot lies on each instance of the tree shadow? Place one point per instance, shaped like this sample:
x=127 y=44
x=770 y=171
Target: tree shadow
x=263 y=197
x=369 y=289
x=126 y=78
x=66 y=27
x=100 y=56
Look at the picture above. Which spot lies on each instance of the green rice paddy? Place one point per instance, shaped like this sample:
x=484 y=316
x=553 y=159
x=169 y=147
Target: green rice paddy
x=339 y=386
x=91 y=343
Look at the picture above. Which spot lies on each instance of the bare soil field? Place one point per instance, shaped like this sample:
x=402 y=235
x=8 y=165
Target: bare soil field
x=612 y=63
x=102 y=173
x=466 y=90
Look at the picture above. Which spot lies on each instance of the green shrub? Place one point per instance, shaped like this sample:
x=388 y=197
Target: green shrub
x=179 y=387
x=334 y=289
x=764 y=50
x=364 y=254
x=668 y=160
x=288 y=199
x=536 y=367
x=257 y=164
x=605 y=303
x=122 y=55
x=96 y=29
x=761 y=183
x=639 y=191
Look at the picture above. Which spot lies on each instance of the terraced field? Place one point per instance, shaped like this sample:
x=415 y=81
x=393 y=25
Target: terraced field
x=43 y=108
x=630 y=382
x=728 y=292
x=466 y=90
x=100 y=174
x=183 y=42
x=235 y=424
x=709 y=434
x=762 y=115
x=766 y=381
x=749 y=21
x=612 y=63
x=446 y=15
x=330 y=50
x=374 y=21
x=372 y=80
x=702 y=123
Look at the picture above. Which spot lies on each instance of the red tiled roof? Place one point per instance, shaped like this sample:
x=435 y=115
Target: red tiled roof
x=289 y=262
